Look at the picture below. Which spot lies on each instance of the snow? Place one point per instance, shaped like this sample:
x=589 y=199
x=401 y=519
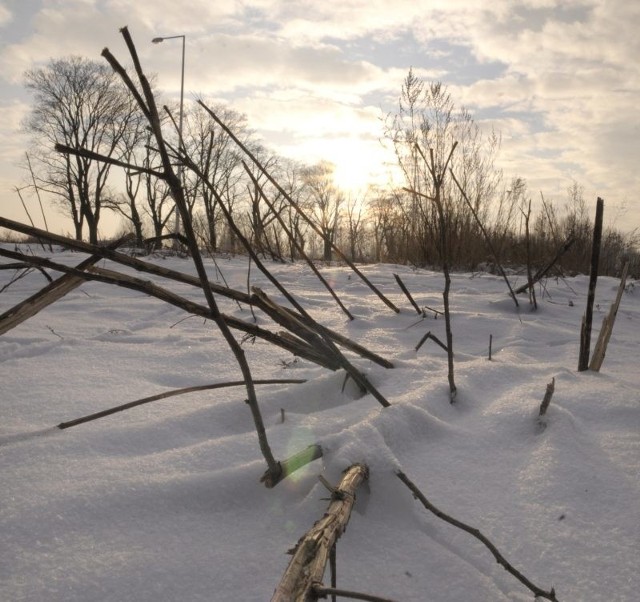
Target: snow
x=163 y=501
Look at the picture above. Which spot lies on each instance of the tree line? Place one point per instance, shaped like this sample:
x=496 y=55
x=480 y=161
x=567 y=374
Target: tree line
x=81 y=103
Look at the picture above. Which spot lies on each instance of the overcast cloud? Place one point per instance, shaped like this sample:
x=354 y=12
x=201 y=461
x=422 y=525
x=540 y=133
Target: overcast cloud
x=560 y=80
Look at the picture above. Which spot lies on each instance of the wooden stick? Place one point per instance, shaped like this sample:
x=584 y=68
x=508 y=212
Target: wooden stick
x=607 y=325
x=585 y=330
x=284 y=339
x=550 y=595
x=543 y=272
x=547 y=397
x=311 y=553
x=434 y=338
x=163 y=272
x=405 y=290
x=297 y=207
x=296 y=244
x=49 y=294
x=172 y=393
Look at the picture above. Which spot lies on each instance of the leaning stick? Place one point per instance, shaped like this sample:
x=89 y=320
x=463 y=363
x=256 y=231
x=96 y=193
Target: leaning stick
x=486 y=236
x=296 y=244
x=405 y=290
x=607 y=325
x=290 y=343
x=49 y=294
x=548 y=394
x=311 y=554
x=172 y=393
x=297 y=207
x=538 y=592
x=543 y=271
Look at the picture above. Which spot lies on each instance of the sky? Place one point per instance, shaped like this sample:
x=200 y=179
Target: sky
x=559 y=80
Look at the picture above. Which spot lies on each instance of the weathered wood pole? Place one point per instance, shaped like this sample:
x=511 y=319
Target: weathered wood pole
x=587 y=320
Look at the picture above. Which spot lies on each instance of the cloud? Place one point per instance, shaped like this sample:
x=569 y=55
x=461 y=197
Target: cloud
x=559 y=78
x=5 y=15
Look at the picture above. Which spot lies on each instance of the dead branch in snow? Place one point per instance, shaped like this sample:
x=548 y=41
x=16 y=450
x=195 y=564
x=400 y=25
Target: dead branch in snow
x=434 y=338
x=303 y=327
x=500 y=559
x=172 y=393
x=311 y=553
x=607 y=324
x=544 y=271
x=547 y=398
x=296 y=206
x=49 y=294
x=405 y=290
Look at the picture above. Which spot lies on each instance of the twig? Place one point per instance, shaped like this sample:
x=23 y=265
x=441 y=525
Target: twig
x=172 y=393
x=544 y=271
x=434 y=338
x=550 y=595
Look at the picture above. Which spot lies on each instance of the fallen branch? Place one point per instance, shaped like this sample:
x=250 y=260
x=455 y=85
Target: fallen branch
x=172 y=393
x=311 y=553
x=50 y=293
x=538 y=592
x=163 y=272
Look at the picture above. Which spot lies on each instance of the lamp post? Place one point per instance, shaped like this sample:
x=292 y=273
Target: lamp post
x=159 y=40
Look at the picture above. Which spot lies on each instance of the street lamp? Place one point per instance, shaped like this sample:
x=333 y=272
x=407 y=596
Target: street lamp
x=180 y=141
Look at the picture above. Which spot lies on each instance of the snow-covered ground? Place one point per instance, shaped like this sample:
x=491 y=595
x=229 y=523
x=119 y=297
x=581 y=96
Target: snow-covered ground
x=163 y=502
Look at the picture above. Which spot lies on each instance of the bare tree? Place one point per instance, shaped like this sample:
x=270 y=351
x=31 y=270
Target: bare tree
x=79 y=103
x=427 y=119
x=326 y=201
x=211 y=149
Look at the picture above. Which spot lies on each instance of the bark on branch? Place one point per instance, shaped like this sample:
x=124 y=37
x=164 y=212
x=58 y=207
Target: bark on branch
x=311 y=554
